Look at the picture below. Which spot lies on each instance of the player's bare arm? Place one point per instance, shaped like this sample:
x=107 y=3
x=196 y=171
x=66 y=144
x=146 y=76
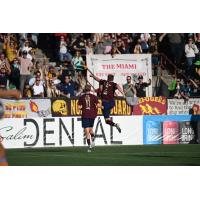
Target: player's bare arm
x=95 y=77
x=120 y=89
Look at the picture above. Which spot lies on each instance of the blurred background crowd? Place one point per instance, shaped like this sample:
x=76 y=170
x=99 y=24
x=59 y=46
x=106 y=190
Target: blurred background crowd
x=52 y=65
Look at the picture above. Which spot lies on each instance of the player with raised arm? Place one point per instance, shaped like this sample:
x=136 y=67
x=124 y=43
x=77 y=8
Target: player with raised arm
x=5 y=94
x=89 y=104
x=107 y=90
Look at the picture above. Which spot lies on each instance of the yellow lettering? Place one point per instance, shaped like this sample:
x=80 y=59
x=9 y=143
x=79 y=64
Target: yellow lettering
x=152 y=99
x=156 y=99
x=147 y=98
x=124 y=107
x=78 y=112
x=73 y=107
x=119 y=107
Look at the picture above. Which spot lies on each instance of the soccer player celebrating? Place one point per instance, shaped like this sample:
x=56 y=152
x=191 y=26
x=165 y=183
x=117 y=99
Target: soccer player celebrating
x=5 y=94
x=88 y=103
x=107 y=89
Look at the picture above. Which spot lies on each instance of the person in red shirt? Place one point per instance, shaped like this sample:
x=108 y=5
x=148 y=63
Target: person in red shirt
x=107 y=92
x=88 y=103
x=5 y=94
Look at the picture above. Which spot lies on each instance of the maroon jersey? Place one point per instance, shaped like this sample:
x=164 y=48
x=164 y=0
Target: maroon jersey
x=108 y=90
x=89 y=105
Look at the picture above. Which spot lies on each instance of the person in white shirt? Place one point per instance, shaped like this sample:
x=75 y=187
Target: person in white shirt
x=28 y=49
x=190 y=51
x=38 y=88
x=64 y=55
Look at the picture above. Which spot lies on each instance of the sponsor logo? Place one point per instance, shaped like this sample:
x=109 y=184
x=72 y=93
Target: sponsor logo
x=59 y=107
x=41 y=113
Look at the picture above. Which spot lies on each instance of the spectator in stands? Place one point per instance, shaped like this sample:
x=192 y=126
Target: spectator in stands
x=10 y=48
x=25 y=70
x=107 y=43
x=138 y=48
x=27 y=93
x=121 y=46
x=38 y=88
x=4 y=75
x=67 y=69
x=114 y=50
x=68 y=88
x=181 y=90
x=197 y=40
x=130 y=92
x=78 y=62
x=15 y=74
x=64 y=55
x=125 y=38
x=186 y=90
x=89 y=48
x=49 y=72
x=79 y=45
x=51 y=89
x=37 y=75
x=172 y=87
x=145 y=38
x=38 y=66
x=4 y=60
x=99 y=48
x=178 y=89
x=153 y=49
x=28 y=49
x=195 y=87
x=141 y=87
x=190 y=50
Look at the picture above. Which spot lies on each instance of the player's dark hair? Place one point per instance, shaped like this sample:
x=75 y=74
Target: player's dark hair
x=110 y=77
x=87 y=88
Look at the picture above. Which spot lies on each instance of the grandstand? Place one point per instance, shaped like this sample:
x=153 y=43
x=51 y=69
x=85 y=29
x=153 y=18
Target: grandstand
x=51 y=71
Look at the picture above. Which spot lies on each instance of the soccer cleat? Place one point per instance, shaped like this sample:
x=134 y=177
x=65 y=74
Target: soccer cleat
x=118 y=128
x=92 y=144
x=89 y=150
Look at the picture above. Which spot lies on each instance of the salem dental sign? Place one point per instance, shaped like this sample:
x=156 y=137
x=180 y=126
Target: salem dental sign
x=67 y=131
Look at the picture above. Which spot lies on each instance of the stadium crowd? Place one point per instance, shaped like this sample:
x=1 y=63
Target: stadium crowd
x=20 y=68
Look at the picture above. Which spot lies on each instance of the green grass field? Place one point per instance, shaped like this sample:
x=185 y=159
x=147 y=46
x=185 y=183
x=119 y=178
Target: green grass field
x=138 y=155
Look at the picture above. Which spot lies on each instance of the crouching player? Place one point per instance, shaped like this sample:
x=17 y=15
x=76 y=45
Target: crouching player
x=89 y=105
x=5 y=94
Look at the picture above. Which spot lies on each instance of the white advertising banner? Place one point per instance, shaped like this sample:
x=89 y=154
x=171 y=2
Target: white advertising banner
x=121 y=66
x=27 y=108
x=180 y=107
x=67 y=131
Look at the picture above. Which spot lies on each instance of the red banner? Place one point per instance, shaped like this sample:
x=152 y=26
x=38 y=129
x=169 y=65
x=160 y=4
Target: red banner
x=151 y=106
